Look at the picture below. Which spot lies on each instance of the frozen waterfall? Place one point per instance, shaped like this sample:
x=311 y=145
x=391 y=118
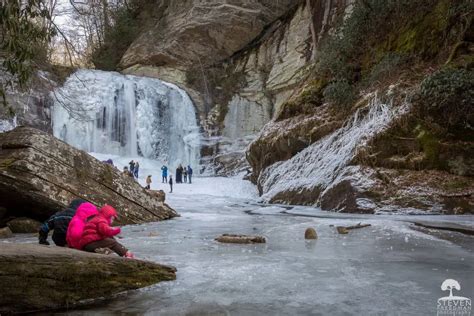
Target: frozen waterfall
x=110 y=113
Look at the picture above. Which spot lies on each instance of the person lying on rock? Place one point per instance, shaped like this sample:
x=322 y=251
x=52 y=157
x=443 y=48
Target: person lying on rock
x=78 y=222
x=59 y=222
x=98 y=233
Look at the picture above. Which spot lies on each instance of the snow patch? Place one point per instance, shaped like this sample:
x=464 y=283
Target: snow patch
x=8 y=125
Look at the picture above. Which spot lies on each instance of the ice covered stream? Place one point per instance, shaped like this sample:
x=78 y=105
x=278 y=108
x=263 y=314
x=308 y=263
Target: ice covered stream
x=385 y=269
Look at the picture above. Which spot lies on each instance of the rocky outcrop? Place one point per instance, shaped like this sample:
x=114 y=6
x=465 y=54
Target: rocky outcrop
x=36 y=277
x=380 y=160
x=391 y=151
x=30 y=106
x=284 y=138
x=194 y=31
x=40 y=175
x=382 y=190
x=238 y=82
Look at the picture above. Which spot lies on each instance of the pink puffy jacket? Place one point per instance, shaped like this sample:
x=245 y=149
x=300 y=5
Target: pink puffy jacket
x=99 y=228
x=76 y=226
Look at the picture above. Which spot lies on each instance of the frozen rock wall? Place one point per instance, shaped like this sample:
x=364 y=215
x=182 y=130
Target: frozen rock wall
x=30 y=106
x=302 y=178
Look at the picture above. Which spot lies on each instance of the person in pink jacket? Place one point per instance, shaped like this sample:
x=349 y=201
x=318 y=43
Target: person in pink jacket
x=76 y=226
x=98 y=234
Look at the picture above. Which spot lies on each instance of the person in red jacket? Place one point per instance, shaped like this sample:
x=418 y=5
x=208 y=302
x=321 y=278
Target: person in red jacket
x=99 y=234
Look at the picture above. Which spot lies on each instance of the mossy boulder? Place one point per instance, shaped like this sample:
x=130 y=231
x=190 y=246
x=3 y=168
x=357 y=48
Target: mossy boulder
x=36 y=277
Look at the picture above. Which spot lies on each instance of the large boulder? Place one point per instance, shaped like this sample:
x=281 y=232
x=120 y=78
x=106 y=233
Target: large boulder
x=5 y=232
x=36 y=277
x=23 y=225
x=40 y=175
x=367 y=190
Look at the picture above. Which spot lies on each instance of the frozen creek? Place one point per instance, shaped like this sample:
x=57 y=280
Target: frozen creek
x=386 y=269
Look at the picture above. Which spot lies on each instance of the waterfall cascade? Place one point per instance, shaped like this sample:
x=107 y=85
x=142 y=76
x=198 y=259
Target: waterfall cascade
x=321 y=163
x=110 y=113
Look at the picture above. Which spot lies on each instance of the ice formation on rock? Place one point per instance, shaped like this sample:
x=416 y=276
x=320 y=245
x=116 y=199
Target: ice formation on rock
x=7 y=125
x=322 y=162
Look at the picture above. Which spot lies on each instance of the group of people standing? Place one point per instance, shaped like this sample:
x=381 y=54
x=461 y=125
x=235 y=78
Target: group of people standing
x=82 y=226
x=133 y=170
x=184 y=174
x=134 y=166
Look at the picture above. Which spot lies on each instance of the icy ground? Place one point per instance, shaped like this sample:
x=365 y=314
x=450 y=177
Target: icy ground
x=385 y=269
x=233 y=187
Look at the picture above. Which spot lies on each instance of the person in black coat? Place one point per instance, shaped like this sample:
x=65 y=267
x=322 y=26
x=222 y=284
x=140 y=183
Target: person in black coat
x=179 y=174
x=190 y=173
x=59 y=222
x=171 y=184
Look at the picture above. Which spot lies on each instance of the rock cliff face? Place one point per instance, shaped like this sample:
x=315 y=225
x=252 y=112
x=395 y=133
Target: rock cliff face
x=240 y=76
x=267 y=94
x=30 y=107
x=190 y=31
x=40 y=175
x=289 y=90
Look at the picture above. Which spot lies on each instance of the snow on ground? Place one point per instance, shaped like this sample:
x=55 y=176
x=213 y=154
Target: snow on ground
x=233 y=187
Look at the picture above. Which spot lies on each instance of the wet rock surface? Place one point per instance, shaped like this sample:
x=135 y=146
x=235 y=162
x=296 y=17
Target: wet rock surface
x=36 y=277
x=40 y=175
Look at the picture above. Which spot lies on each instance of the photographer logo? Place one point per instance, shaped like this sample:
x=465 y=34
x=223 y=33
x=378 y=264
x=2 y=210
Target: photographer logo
x=453 y=305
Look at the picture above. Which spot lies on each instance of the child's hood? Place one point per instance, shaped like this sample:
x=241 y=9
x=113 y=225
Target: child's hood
x=108 y=212
x=86 y=210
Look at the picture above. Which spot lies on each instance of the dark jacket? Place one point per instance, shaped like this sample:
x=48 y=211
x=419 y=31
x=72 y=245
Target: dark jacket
x=59 y=222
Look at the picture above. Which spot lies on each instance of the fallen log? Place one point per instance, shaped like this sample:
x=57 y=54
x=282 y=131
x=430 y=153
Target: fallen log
x=240 y=239
x=345 y=229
